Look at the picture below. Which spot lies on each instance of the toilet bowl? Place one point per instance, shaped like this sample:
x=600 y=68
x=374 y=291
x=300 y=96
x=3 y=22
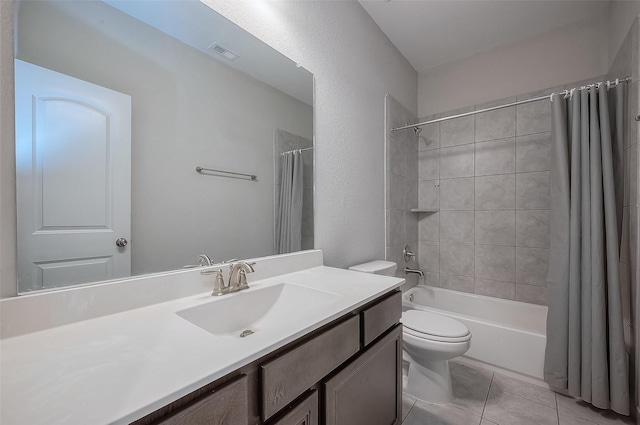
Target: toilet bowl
x=430 y=340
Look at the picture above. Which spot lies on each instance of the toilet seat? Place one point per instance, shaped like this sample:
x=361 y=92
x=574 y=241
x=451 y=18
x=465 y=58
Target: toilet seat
x=434 y=327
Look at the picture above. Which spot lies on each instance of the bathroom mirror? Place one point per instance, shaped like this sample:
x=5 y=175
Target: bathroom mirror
x=117 y=104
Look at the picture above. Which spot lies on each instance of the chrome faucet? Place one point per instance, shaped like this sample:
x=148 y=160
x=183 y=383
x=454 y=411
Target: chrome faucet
x=202 y=260
x=238 y=275
x=408 y=270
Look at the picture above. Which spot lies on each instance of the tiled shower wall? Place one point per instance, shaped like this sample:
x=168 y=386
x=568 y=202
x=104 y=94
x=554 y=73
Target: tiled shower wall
x=487 y=176
x=401 y=188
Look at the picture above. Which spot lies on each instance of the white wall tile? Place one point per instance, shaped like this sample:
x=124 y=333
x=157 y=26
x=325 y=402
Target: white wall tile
x=457 y=161
x=457 y=259
x=495 y=157
x=532 y=228
x=495 y=262
x=495 y=192
x=429 y=137
x=458 y=283
x=429 y=164
x=429 y=227
x=457 y=131
x=533 y=152
x=429 y=256
x=497 y=124
x=534 y=117
x=533 y=190
x=457 y=194
x=531 y=266
x=457 y=226
x=429 y=194
x=496 y=227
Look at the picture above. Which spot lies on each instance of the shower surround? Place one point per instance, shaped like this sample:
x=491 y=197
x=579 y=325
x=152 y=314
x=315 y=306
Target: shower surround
x=401 y=188
x=486 y=178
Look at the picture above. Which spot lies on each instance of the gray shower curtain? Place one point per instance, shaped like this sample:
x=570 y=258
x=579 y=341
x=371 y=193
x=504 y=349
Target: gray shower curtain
x=288 y=237
x=585 y=352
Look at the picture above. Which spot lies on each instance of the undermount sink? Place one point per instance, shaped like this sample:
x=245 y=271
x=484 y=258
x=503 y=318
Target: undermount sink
x=257 y=309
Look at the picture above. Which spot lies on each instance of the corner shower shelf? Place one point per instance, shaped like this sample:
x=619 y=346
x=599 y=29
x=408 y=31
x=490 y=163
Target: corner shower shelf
x=422 y=210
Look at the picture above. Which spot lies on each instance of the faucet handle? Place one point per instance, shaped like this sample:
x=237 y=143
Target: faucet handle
x=242 y=279
x=202 y=260
x=408 y=255
x=218 y=285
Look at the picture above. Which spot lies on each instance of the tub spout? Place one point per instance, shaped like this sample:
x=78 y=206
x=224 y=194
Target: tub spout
x=407 y=270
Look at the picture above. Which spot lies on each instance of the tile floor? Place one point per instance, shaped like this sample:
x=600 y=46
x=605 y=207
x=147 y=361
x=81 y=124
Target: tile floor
x=483 y=397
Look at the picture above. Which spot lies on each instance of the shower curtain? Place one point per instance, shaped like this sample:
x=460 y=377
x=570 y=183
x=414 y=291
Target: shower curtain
x=288 y=237
x=585 y=352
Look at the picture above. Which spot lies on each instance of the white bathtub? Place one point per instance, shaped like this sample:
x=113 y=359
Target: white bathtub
x=507 y=336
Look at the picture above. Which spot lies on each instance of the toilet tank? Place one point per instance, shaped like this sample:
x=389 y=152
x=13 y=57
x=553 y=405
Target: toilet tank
x=386 y=268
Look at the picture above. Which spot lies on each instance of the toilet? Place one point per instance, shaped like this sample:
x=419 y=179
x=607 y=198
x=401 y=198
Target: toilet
x=429 y=341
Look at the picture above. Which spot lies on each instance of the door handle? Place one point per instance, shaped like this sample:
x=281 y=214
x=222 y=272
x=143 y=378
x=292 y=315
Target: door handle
x=121 y=242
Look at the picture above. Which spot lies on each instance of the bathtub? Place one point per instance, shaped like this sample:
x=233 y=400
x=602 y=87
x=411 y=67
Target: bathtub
x=508 y=337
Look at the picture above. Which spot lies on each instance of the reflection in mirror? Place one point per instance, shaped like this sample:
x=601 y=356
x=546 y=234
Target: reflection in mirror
x=117 y=103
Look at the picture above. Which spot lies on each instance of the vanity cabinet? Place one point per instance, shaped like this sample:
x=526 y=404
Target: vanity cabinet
x=292 y=373
x=226 y=405
x=348 y=372
x=369 y=390
x=304 y=413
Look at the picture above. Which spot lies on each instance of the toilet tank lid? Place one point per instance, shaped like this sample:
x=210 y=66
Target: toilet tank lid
x=376 y=266
x=433 y=324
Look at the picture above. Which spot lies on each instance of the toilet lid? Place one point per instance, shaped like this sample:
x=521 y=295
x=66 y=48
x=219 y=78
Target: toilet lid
x=433 y=324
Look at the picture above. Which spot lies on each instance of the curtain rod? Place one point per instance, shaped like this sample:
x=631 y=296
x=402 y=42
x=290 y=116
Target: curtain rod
x=301 y=150
x=417 y=129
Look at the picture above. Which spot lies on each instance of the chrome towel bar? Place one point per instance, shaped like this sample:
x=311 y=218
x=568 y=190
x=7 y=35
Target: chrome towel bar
x=251 y=176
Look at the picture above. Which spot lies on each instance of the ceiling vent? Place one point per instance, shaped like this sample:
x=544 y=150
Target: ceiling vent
x=226 y=53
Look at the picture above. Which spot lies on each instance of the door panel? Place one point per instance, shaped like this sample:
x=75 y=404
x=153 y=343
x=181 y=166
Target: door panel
x=73 y=178
x=71 y=147
x=72 y=272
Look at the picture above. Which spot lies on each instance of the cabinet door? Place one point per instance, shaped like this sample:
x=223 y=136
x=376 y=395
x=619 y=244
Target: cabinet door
x=305 y=413
x=224 y=406
x=369 y=390
x=289 y=375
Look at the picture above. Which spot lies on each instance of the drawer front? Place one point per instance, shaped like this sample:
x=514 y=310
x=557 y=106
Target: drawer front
x=380 y=317
x=305 y=413
x=226 y=405
x=368 y=391
x=288 y=376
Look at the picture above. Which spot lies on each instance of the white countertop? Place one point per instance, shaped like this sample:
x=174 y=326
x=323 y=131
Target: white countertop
x=120 y=367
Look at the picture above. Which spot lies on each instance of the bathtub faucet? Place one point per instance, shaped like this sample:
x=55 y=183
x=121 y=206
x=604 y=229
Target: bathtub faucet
x=420 y=273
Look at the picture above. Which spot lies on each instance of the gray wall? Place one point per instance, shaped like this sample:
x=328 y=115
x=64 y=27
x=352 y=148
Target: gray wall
x=7 y=156
x=627 y=63
x=354 y=65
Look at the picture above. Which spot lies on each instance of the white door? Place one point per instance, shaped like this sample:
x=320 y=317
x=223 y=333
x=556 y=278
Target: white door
x=73 y=172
